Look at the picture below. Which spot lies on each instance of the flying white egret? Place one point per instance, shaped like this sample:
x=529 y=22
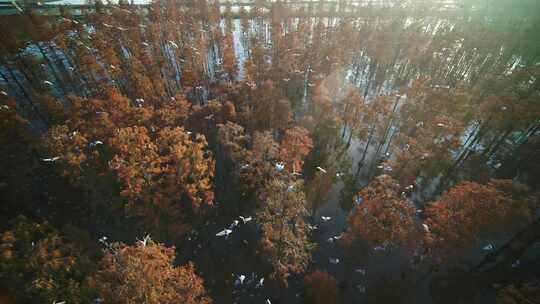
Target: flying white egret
x=245 y=166
x=95 y=143
x=334 y=261
x=497 y=166
x=488 y=247
x=224 y=232
x=321 y=169
x=245 y=219
x=339 y=174
x=102 y=239
x=441 y=125
x=260 y=284
x=240 y=280
x=286 y=79
x=3 y=93
x=234 y=224
x=268 y=301
x=326 y=218
x=360 y=271
x=50 y=160
x=409 y=187
x=426 y=227
x=63 y=302
x=312 y=227
x=145 y=240
x=337 y=237
x=47 y=82
x=379 y=248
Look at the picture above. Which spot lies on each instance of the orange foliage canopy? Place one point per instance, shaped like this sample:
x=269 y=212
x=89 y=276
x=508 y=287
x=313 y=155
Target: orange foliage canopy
x=144 y=273
x=165 y=169
x=383 y=218
x=470 y=211
x=296 y=144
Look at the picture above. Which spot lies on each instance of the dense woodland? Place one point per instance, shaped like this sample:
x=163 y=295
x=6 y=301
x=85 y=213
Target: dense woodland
x=195 y=152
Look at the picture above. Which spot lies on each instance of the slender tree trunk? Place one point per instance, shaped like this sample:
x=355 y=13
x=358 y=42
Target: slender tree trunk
x=370 y=137
x=23 y=91
x=498 y=144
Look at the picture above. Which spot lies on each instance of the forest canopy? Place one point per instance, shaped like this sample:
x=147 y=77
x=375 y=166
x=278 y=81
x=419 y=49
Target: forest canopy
x=363 y=151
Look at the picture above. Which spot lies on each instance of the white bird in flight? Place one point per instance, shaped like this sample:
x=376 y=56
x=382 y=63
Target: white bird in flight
x=334 y=261
x=52 y=159
x=240 y=280
x=145 y=240
x=268 y=301
x=95 y=143
x=488 y=247
x=224 y=232
x=379 y=248
x=173 y=44
x=326 y=218
x=312 y=227
x=4 y=93
x=426 y=227
x=321 y=169
x=245 y=219
x=47 y=82
x=234 y=224
x=360 y=271
x=260 y=284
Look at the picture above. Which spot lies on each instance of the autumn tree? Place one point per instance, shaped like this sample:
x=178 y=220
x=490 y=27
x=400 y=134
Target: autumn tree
x=383 y=218
x=285 y=235
x=469 y=212
x=145 y=272
x=295 y=145
x=166 y=175
x=321 y=288
x=36 y=263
